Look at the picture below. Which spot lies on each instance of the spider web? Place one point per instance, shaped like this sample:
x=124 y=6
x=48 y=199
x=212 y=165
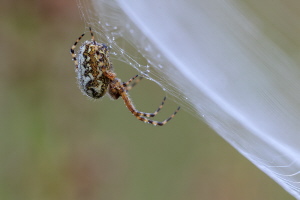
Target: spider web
x=215 y=60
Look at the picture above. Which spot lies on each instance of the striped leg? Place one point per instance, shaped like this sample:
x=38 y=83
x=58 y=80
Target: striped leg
x=155 y=113
x=92 y=34
x=157 y=123
x=73 y=48
x=135 y=80
x=140 y=115
x=126 y=84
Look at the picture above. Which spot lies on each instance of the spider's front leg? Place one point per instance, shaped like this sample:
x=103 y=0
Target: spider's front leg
x=135 y=80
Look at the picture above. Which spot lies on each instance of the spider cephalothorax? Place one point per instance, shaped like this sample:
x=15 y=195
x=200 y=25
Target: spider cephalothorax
x=95 y=76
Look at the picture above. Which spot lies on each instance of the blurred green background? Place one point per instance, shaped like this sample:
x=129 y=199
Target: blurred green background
x=57 y=144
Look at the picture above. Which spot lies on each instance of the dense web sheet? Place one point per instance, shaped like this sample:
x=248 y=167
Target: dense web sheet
x=214 y=59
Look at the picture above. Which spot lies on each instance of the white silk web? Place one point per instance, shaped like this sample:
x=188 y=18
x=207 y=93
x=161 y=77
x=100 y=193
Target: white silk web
x=221 y=62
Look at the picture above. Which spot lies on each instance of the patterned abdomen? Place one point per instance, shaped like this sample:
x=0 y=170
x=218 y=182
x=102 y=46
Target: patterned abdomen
x=92 y=58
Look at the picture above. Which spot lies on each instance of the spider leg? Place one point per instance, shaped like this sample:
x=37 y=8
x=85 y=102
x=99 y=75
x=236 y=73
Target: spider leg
x=140 y=115
x=135 y=82
x=136 y=79
x=126 y=84
x=154 y=113
x=157 y=123
x=92 y=34
x=73 y=48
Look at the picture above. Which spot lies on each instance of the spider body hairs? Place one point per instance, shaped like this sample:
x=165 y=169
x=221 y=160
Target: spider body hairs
x=96 y=77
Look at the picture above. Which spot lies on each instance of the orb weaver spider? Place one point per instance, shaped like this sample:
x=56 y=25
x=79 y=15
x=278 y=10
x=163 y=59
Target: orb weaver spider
x=96 y=77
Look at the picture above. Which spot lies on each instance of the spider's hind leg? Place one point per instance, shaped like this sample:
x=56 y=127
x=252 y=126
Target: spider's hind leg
x=154 y=113
x=135 y=80
x=157 y=123
x=141 y=115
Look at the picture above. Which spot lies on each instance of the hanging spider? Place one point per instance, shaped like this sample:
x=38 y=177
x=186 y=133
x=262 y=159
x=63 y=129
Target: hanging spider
x=96 y=76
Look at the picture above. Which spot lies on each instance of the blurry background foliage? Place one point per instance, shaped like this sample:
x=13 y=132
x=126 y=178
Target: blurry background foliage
x=57 y=144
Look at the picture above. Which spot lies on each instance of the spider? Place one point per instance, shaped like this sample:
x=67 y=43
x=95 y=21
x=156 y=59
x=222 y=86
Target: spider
x=96 y=77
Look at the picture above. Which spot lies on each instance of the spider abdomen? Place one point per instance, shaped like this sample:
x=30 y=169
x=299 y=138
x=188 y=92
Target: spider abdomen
x=92 y=58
